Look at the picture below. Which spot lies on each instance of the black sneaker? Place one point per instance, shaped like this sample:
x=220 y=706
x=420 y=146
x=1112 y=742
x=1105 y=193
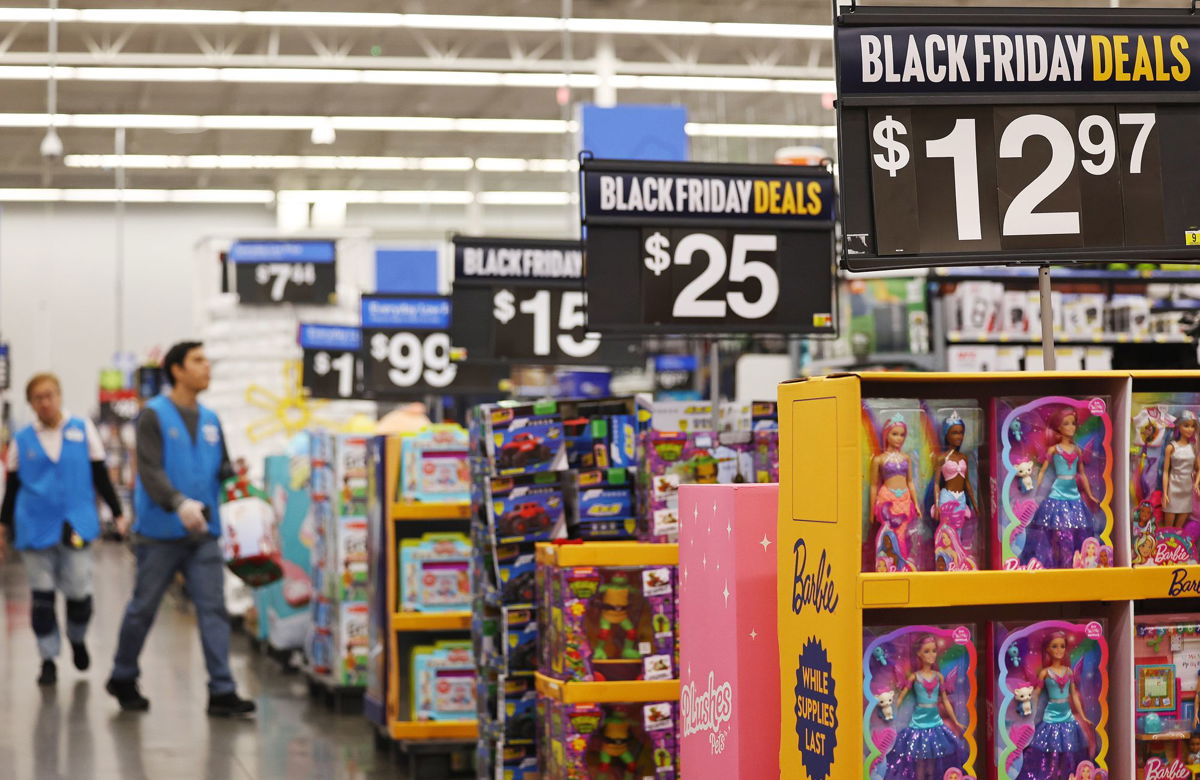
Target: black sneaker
x=49 y=675
x=79 y=655
x=127 y=695
x=227 y=705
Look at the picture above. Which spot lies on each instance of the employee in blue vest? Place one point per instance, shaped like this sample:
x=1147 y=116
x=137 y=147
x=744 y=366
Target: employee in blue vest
x=182 y=461
x=56 y=469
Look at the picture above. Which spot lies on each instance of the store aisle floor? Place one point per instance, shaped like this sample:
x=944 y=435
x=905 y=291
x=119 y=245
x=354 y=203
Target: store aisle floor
x=76 y=731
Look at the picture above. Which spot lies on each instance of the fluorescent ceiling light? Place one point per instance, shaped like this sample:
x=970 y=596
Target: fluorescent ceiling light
x=50 y=194
x=518 y=198
x=292 y=162
x=267 y=197
x=544 y=24
x=439 y=78
x=715 y=130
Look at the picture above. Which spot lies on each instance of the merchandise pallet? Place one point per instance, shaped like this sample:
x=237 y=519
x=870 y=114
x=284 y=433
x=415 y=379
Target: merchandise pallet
x=825 y=599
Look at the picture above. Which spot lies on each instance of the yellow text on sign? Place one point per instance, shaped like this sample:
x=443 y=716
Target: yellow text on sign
x=787 y=197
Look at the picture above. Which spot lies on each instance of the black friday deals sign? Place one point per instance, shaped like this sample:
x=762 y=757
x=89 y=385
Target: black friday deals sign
x=968 y=138
x=706 y=248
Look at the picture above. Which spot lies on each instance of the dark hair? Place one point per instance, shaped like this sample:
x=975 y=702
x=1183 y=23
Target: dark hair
x=175 y=357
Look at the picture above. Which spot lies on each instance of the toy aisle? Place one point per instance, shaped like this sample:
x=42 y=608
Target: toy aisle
x=826 y=407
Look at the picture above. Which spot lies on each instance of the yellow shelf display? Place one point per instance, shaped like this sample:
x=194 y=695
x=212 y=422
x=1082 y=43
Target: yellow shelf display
x=608 y=554
x=433 y=729
x=825 y=599
x=411 y=510
x=431 y=621
x=632 y=691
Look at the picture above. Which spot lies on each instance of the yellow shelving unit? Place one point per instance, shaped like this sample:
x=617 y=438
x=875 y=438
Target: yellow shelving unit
x=607 y=692
x=411 y=510
x=431 y=621
x=433 y=729
x=608 y=554
x=825 y=599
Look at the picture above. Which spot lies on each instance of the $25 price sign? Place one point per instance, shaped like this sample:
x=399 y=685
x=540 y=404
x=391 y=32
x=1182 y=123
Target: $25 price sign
x=708 y=248
x=285 y=271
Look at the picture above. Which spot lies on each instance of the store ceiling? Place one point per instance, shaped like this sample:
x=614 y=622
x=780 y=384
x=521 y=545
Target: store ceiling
x=280 y=66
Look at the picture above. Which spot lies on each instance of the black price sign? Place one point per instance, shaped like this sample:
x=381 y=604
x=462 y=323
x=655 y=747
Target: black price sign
x=966 y=140
x=285 y=271
x=332 y=365
x=407 y=349
x=534 y=291
x=692 y=247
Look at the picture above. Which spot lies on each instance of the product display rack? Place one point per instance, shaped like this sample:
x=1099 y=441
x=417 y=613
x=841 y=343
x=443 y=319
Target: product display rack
x=400 y=520
x=825 y=599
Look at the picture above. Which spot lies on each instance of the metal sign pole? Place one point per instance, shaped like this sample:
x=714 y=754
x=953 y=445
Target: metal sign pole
x=714 y=382
x=1048 y=358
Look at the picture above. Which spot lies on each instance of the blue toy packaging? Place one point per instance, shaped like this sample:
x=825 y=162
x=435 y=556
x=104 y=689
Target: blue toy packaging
x=529 y=508
x=1050 y=698
x=443 y=681
x=602 y=442
x=435 y=573
x=520 y=439
x=434 y=466
x=607 y=501
x=919 y=702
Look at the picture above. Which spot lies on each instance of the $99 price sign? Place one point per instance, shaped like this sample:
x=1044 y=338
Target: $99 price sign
x=969 y=141
x=708 y=248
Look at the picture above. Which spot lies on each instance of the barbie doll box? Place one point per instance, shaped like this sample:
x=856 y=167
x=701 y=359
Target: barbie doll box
x=729 y=656
x=1163 y=511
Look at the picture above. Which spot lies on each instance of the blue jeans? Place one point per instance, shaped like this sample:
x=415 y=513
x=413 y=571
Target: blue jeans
x=204 y=572
x=59 y=568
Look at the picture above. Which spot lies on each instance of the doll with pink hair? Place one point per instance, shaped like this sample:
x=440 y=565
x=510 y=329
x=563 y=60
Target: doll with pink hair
x=927 y=749
x=1063 y=521
x=895 y=506
x=1063 y=739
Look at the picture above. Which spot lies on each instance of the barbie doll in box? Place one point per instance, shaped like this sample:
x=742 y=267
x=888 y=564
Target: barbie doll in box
x=953 y=504
x=1063 y=740
x=895 y=504
x=927 y=749
x=1180 y=477
x=1062 y=521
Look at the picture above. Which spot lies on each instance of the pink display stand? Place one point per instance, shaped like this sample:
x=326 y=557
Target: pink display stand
x=729 y=651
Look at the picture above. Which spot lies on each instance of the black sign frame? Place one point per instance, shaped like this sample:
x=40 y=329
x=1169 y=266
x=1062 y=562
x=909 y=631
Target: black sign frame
x=320 y=292
x=616 y=240
x=483 y=338
x=856 y=202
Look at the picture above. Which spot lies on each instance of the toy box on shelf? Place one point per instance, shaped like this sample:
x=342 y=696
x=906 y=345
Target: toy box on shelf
x=610 y=741
x=434 y=466
x=339 y=486
x=1164 y=516
x=284 y=608
x=1166 y=662
x=825 y=599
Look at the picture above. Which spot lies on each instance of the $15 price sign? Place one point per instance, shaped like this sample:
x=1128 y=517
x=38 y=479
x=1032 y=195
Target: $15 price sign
x=332 y=365
x=708 y=248
x=285 y=271
x=970 y=140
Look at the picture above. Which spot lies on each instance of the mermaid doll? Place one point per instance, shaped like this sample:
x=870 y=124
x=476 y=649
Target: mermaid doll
x=1060 y=743
x=1179 y=472
x=927 y=749
x=1062 y=522
x=895 y=506
x=954 y=500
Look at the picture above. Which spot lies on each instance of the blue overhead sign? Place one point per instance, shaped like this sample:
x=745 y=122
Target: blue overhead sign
x=330 y=337
x=386 y=312
x=283 y=252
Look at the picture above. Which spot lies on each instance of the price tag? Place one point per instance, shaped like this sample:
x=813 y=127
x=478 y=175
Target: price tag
x=407 y=349
x=967 y=140
x=119 y=406
x=285 y=271
x=534 y=291
x=332 y=365
x=688 y=247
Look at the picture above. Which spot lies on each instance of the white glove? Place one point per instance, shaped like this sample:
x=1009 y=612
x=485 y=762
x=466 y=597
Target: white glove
x=191 y=512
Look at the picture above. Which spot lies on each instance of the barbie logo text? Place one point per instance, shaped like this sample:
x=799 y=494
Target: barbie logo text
x=1171 y=552
x=1157 y=770
x=1181 y=585
x=708 y=710
x=815 y=590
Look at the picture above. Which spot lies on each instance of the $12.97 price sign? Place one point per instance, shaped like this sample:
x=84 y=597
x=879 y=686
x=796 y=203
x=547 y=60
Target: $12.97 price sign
x=407 y=349
x=332 y=364
x=967 y=140
x=533 y=289
x=285 y=271
x=703 y=248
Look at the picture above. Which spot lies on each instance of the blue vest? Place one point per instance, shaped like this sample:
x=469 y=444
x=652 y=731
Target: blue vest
x=52 y=493
x=192 y=466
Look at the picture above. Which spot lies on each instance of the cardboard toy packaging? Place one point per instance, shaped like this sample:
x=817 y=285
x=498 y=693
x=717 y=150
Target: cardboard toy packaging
x=728 y=651
x=1164 y=512
x=612 y=741
x=1166 y=659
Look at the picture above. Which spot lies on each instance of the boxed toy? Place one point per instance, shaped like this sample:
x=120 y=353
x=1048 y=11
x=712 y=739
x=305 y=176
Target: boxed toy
x=1051 y=700
x=765 y=416
x=350 y=477
x=607 y=504
x=528 y=507
x=435 y=573
x=1052 y=467
x=351 y=644
x=608 y=622
x=1163 y=452
x=1166 y=657
x=896 y=439
x=676 y=458
x=521 y=439
x=351 y=562
x=434 y=466
x=611 y=741
x=601 y=442
x=952 y=501
x=443 y=681
x=919 y=702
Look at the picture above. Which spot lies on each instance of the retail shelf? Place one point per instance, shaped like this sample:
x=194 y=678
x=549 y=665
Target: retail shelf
x=416 y=511
x=951 y=589
x=957 y=337
x=607 y=692
x=433 y=729
x=608 y=554
x=924 y=361
x=431 y=621
x=1029 y=273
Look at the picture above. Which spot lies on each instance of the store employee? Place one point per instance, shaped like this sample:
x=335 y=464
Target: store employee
x=56 y=469
x=182 y=462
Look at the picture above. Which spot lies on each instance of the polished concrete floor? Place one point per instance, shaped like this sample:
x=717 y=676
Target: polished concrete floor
x=75 y=731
